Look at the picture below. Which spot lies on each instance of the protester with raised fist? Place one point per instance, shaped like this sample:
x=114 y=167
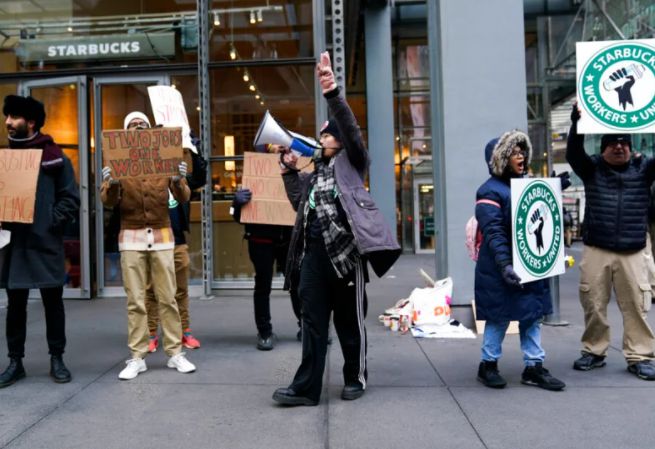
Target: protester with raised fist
x=338 y=228
x=146 y=243
x=34 y=257
x=268 y=245
x=616 y=254
x=500 y=297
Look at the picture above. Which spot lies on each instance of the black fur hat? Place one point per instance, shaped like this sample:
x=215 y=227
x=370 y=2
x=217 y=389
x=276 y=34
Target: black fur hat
x=26 y=107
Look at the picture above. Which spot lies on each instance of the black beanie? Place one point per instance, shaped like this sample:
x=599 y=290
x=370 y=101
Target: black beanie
x=612 y=138
x=26 y=107
x=331 y=127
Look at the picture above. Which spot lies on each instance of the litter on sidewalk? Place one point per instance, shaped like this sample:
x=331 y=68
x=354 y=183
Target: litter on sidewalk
x=426 y=312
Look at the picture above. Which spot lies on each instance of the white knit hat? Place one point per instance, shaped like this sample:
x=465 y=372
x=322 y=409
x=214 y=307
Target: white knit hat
x=135 y=114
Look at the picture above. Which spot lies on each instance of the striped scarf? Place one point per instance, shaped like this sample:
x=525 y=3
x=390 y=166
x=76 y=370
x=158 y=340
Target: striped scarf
x=339 y=241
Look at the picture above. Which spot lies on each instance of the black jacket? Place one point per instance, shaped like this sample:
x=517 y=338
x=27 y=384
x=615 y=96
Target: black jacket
x=179 y=214
x=617 y=198
x=262 y=233
x=35 y=256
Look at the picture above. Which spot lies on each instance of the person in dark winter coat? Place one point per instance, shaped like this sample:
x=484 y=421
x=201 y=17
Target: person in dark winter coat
x=499 y=295
x=338 y=228
x=179 y=215
x=35 y=255
x=267 y=245
x=616 y=254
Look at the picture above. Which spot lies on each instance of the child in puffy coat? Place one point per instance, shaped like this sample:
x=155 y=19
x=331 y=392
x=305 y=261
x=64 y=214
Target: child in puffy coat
x=499 y=295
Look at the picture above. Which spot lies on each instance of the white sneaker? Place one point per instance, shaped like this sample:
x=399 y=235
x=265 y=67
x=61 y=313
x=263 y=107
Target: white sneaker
x=181 y=364
x=133 y=368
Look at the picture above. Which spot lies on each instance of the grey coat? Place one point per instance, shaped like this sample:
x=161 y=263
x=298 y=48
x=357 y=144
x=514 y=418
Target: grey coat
x=34 y=257
x=373 y=237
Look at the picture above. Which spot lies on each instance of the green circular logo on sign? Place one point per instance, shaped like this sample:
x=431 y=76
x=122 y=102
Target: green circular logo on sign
x=538 y=229
x=617 y=86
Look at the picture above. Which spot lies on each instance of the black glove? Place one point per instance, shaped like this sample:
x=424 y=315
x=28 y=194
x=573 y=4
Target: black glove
x=242 y=197
x=564 y=177
x=195 y=140
x=510 y=276
x=575 y=113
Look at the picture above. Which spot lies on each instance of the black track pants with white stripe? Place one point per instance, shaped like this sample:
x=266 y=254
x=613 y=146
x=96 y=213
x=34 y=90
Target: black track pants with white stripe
x=323 y=292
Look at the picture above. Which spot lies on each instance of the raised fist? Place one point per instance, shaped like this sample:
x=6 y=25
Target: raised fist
x=625 y=83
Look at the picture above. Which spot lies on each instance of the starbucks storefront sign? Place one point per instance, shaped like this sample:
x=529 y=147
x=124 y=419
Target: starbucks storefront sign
x=616 y=86
x=537 y=228
x=86 y=48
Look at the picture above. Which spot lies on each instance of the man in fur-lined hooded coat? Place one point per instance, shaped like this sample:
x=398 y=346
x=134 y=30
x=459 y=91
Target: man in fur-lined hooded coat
x=499 y=295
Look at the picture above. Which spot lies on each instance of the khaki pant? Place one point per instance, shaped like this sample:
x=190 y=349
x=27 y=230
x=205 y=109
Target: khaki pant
x=181 y=256
x=139 y=267
x=628 y=273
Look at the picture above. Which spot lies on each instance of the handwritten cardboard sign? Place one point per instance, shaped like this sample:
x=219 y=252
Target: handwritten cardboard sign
x=168 y=110
x=269 y=204
x=19 y=172
x=142 y=153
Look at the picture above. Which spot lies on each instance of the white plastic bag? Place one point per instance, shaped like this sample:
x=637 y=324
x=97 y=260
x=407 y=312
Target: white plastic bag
x=432 y=304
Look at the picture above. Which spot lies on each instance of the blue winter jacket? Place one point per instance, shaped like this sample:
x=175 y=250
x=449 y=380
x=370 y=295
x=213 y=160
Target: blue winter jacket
x=495 y=300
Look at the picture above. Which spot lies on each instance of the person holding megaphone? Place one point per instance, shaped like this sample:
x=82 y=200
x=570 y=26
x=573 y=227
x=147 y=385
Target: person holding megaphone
x=338 y=229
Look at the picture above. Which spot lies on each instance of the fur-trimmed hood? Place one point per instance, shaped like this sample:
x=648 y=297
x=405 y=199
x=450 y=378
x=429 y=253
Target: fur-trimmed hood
x=502 y=150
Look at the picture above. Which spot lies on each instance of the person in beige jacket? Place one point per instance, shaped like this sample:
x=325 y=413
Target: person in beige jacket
x=146 y=244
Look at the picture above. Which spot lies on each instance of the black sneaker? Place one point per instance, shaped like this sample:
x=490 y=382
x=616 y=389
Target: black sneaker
x=488 y=374
x=643 y=370
x=538 y=376
x=589 y=361
x=265 y=344
x=13 y=373
x=288 y=396
x=352 y=391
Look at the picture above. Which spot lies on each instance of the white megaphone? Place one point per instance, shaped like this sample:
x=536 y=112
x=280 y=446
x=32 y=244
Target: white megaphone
x=270 y=131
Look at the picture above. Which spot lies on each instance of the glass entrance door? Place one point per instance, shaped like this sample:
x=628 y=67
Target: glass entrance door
x=66 y=105
x=424 y=240
x=113 y=99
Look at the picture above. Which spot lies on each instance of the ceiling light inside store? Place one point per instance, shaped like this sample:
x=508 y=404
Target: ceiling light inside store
x=233 y=53
x=246 y=78
x=252 y=87
x=260 y=18
x=70 y=28
x=257 y=97
x=262 y=103
x=217 y=20
x=252 y=18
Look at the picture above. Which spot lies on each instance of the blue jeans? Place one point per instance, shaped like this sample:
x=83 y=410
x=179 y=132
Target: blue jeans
x=529 y=333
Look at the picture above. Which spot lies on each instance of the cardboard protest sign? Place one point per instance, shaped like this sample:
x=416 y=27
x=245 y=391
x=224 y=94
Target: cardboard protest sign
x=19 y=173
x=616 y=86
x=269 y=204
x=537 y=228
x=168 y=110
x=142 y=153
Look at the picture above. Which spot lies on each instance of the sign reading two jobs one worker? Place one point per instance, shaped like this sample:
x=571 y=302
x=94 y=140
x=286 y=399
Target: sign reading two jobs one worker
x=269 y=204
x=537 y=228
x=142 y=153
x=616 y=86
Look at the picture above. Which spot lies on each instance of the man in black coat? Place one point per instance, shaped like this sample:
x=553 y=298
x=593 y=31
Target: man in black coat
x=616 y=255
x=35 y=255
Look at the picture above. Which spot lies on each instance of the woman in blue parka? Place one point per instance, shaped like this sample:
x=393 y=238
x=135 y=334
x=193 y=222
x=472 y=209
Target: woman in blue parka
x=499 y=295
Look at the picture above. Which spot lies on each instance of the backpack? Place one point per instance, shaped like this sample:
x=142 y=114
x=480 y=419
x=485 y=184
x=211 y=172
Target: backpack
x=474 y=234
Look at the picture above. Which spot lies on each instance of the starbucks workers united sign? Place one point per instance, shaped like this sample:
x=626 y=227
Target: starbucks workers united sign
x=537 y=228
x=616 y=86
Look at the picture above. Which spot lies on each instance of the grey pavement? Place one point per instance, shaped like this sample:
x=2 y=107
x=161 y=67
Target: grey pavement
x=421 y=394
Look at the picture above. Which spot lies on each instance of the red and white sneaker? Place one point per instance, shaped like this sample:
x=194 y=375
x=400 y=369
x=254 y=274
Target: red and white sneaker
x=153 y=343
x=189 y=341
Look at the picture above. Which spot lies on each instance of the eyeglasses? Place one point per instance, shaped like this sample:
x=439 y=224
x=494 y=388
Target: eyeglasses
x=517 y=153
x=138 y=124
x=617 y=143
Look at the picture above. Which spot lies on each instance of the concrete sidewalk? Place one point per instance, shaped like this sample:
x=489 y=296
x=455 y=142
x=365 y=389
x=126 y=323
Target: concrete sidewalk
x=422 y=394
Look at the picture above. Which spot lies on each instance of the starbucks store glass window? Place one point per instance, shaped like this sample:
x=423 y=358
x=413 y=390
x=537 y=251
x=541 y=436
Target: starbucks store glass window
x=240 y=97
